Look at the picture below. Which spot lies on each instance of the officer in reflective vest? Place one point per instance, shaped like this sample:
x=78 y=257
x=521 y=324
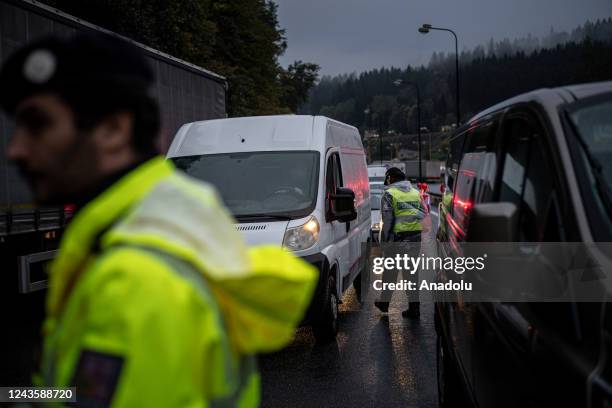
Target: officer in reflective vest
x=402 y=212
x=154 y=300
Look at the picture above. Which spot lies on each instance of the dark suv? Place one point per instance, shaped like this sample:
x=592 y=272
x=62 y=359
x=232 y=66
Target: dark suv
x=542 y=162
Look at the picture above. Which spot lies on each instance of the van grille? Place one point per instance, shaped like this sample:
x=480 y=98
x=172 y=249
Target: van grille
x=258 y=227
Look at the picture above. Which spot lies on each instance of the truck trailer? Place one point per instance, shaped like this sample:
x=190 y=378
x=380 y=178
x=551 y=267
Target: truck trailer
x=29 y=235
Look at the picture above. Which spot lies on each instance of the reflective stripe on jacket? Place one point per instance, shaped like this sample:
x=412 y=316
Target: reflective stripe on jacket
x=153 y=274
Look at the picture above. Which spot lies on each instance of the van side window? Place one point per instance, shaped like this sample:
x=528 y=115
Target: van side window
x=354 y=174
x=539 y=213
x=527 y=181
x=329 y=176
x=481 y=146
x=338 y=182
x=452 y=163
x=476 y=174
x=333 y=178
x=516 y=147
x=452 y=168
x=329 y=183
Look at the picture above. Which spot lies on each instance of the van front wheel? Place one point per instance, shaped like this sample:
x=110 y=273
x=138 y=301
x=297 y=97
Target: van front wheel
x=326 y=328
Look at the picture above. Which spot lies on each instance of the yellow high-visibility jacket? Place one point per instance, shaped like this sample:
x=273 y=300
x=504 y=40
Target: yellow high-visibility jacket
x=155 y=301
x=408 y=210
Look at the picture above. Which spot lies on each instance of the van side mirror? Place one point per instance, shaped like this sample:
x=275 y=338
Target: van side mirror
x=342 y=205
x=492 y=222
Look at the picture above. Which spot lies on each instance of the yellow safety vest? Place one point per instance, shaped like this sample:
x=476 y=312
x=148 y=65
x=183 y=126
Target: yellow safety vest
x=407 y=210
x=152 y=273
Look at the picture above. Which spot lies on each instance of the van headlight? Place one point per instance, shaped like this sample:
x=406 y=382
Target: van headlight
x=302 y=237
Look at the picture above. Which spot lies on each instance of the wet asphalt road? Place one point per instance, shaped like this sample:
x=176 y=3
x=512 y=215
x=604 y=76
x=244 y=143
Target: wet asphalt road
x=377 y=360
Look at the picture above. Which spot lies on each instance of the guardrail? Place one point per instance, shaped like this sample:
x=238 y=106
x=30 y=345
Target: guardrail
x=32 y=220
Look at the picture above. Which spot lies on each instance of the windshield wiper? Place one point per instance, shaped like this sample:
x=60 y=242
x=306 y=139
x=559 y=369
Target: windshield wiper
x=600 y=180
x=262 y=215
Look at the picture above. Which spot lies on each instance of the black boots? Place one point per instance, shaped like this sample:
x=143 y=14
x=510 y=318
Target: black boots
x=382 y=306
x=413 y=311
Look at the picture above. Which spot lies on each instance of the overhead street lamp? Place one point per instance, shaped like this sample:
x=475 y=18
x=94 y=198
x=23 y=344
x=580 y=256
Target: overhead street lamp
x=399 y=82
x=367 y=112
x=424 y=29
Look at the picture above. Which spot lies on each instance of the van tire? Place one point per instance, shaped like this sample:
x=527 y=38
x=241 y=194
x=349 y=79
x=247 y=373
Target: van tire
x=326 y=328
x=449 y=388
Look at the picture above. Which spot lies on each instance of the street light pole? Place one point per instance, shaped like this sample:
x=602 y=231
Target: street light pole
x=424 y=30
x=419 y=132
x=380 y=136
x=398 y=82
x=380 y=146
x=367 y=112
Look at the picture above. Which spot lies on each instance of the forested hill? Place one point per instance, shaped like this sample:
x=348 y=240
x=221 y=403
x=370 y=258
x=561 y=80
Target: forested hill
x=371 y=100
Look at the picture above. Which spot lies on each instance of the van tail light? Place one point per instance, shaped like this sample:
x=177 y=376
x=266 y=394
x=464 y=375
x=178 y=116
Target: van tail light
x=424 y=187
x=442 y=188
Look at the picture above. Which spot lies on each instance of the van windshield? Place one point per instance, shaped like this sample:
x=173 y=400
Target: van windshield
x=260 y=184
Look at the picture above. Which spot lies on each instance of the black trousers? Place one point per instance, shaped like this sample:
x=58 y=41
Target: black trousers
x=403 y=243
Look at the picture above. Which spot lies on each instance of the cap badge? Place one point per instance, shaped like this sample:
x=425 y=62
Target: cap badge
x=39 y=66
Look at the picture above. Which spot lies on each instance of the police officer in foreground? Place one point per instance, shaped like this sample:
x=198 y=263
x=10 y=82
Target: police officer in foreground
x=402 y=214
x=153 y=299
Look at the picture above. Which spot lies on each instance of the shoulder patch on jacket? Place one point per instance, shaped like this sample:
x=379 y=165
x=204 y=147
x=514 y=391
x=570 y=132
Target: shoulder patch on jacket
x=96 y=378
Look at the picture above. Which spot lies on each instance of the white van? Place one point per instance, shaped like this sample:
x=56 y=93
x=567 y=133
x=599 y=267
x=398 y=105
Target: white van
x=290 y=180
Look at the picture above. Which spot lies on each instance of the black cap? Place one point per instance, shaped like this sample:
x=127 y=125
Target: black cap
x=83 y=67
x=395 y=174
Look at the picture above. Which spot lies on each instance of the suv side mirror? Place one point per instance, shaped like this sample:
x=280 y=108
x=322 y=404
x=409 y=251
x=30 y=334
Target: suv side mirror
x=342 y=205
x=492 y=222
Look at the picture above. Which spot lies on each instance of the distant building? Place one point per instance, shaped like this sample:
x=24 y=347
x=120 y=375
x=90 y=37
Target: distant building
x=407 y=154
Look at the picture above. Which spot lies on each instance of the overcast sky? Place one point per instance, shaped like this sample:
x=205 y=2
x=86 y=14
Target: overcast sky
x=356 y=35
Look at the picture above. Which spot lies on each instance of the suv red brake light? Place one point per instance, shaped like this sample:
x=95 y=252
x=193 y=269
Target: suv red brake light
x=466 y=205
